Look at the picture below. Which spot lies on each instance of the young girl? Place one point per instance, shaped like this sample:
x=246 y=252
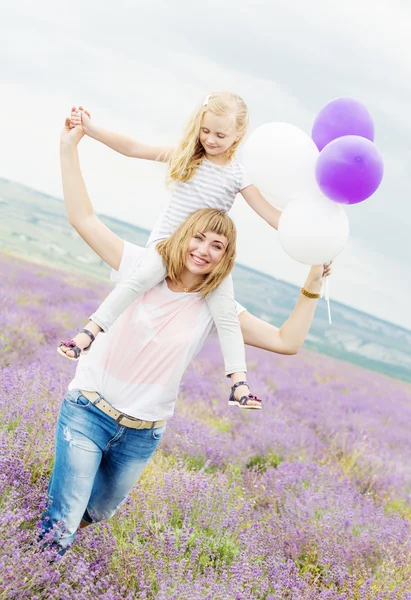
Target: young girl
x=206 y=174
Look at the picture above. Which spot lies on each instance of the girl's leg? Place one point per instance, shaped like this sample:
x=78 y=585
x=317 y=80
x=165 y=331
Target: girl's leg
x=222 y=306
x=149 y=272
x=77 y=458
x=121 y=466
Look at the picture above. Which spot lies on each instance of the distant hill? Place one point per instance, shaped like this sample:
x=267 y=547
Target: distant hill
x=34 y=226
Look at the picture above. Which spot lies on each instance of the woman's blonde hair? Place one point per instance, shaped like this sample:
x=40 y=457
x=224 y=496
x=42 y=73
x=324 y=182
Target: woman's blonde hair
x=190 y=152
x=174 y=249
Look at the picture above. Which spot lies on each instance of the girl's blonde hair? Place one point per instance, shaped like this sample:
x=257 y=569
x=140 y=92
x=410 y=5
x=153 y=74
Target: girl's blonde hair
x=174 y=249
x=190 y=152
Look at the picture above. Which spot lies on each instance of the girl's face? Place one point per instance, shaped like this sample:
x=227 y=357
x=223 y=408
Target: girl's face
x=217 y=133
x=205 y=251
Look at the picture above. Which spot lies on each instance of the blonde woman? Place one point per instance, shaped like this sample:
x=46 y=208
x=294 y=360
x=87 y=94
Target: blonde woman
x=124 y=390
x=205 y=173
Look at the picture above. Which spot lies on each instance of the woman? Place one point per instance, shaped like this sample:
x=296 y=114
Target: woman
x=124 y=390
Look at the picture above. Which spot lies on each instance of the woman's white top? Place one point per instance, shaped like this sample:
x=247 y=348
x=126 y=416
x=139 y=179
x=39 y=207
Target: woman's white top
x=137 y=366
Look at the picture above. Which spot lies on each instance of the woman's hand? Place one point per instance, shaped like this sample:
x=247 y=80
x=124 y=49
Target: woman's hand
x=70 y=136
x=315 y=277
x=80 y=118
x=317 y=272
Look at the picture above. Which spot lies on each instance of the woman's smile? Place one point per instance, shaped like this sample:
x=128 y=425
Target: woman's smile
x=198 y=261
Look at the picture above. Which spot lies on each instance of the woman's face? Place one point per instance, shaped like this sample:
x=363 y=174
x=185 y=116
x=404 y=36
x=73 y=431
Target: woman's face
x=205 y=250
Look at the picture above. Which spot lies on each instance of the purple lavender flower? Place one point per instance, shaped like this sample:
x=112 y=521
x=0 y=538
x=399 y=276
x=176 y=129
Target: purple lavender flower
x=308 y=499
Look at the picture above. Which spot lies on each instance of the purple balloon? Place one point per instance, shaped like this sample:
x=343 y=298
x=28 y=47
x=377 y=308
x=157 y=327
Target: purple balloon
x=349 y=169
x=343 y=116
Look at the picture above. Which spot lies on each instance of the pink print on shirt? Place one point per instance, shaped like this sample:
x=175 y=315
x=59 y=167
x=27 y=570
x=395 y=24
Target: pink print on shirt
x=153 y=338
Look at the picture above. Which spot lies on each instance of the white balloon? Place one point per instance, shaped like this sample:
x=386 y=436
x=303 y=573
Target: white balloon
x=280 y=159
x=313 y=231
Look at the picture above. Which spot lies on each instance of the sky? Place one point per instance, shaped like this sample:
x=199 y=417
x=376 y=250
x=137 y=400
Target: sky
x=141 y=67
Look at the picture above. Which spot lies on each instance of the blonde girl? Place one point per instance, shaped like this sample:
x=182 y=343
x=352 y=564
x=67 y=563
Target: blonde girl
x=204 y=173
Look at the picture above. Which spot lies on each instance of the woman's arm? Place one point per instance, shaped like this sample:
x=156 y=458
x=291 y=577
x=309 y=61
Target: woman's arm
x=117 y=141
x=291 y=336
x=259 y=204
x=80 y=212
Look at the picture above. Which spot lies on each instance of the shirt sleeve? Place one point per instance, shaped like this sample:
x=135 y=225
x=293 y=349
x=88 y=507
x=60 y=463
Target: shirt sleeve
x=239 y=308
x=129 y=262
x=243 y=179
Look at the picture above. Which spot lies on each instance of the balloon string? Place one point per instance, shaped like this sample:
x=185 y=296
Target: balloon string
x=327 y=297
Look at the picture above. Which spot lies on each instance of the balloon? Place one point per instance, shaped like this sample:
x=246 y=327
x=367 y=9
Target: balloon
x=313 y=231
x=349 y=169
x=280 y=160
x=343 y=116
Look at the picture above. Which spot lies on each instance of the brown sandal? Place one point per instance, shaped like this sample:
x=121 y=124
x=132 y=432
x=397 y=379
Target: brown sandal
x=73 y=346
x=243 y=401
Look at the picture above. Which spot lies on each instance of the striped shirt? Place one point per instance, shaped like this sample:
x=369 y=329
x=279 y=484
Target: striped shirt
x=212 y=186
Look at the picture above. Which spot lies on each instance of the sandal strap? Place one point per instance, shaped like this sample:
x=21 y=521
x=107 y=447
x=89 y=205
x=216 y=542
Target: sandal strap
x=90 y=335
x=73 y=346
x=236 y=385
x=244 y=400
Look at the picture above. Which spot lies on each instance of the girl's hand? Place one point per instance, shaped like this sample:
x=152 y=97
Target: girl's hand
x=80 y=118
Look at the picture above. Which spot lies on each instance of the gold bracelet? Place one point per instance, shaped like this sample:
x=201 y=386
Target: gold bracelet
x=309 y=294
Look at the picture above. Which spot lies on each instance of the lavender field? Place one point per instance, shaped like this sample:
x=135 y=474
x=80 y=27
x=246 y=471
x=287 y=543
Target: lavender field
x=309 y=499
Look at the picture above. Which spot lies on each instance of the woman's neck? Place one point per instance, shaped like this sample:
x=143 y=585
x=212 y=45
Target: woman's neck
x=186 y=283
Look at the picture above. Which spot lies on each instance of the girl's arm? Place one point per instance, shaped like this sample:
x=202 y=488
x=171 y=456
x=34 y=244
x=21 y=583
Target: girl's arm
x=80 y=212
x=291 y=336
x=259 y=204
x=120 y=143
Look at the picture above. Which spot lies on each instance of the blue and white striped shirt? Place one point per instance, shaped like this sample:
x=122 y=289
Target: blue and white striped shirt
x=212 y=186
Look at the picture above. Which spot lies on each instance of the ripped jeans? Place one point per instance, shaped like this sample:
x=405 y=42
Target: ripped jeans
x=97 y=462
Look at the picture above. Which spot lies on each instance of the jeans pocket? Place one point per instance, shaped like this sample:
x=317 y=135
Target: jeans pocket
x=157 y=432
x=76 y=398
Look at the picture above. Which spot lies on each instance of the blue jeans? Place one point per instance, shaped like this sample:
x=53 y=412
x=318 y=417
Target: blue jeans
x=97 y=462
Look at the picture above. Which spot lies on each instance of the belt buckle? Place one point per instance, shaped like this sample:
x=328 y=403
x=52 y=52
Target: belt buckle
x=123 y=416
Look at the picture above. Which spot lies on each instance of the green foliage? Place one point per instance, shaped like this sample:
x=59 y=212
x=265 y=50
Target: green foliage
x=261 y=463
